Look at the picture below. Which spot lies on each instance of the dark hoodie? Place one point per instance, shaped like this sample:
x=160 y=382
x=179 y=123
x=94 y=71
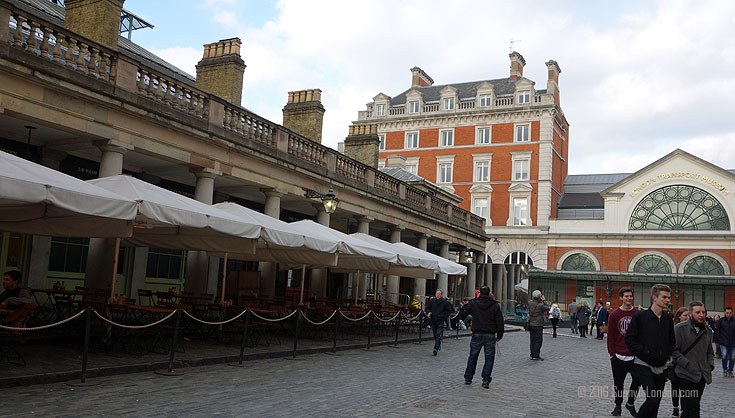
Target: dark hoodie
x=487 y=317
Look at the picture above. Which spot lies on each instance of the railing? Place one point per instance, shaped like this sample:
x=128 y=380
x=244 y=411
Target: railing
x=397 y=111
x=415 y=197
x=467 y=105
x=439 y=207
x=47 y=40
x=431 y=108
x=476 y=222
x=387 y=183
x=459 y=215
x=504 y=101
x=351 y=168
x=307 y=150
x=172 y=93
x=244 y=123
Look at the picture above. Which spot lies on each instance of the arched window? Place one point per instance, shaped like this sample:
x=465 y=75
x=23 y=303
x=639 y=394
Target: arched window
x=578 y=262
x=704 y=265
x=679 y=207
x=652 y=263
x=518 y=257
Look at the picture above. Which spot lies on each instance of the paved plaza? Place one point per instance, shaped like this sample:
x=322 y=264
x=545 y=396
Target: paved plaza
x=574 y=381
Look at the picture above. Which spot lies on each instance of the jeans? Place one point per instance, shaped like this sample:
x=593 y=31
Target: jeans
x=554 y=323
x=690 y=403
x=574 y=325
x=537 y=338
x=728 y=354
x=653 y=386
x=486 y=341
x=620 y=369
x=438 y=330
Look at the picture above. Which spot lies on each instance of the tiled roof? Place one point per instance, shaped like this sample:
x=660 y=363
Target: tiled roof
x=465 y=90
x=581 y=200
x=574 y=179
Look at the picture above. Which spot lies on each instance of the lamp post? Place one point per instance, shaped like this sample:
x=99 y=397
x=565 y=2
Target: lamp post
x=329 y=200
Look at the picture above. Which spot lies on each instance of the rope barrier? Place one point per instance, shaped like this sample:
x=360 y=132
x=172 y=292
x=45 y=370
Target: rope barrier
x=134 y=326
x=214 y=323
x=418 y=315
x=63 y=321
x=318 y=323
x=386 y=320
x=352 y=319
x=273 y=320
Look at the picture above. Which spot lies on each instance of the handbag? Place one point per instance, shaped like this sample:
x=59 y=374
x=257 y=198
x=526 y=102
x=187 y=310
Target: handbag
x=671 y=366
x=527 y=325
x=603 y=329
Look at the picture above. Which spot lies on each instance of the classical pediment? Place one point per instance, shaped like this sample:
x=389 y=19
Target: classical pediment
x=520 y=187
x=481 y=188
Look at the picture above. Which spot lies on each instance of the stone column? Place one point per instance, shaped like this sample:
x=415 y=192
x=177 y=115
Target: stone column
x=363 y=227
x=269 y=270
x=443 y=279
x=471 y=275
x=41 y=245
x=319 y=276
x=101 y=253
x=510 y=289
x=197 y=276
x=394 y=282
x=489 y=276
x=419 y=285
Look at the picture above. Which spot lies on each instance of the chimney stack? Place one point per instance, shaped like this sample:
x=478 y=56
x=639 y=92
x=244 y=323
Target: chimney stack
x=517 y=62
x=97 y=20
x=552 y=85
x=362 y=144
x=220 y=70
x=396 y=160
x=304 y=113
x=419 y=78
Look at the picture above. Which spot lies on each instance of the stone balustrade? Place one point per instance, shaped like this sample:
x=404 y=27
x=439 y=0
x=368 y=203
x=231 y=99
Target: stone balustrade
x=439 y=208
x=307 y=150
x=351 y=168
x=431 y=108
x=395 y=111
x=415 y=197
x=386 y=183
x=504 y=101
x=248 y=125
x=50 y=41
x=466 y=105
x=172 y=93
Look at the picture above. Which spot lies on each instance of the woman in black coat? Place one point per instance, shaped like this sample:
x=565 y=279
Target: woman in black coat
x=583 y=318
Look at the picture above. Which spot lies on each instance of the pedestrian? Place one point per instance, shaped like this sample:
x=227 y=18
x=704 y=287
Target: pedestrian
x=554 y=316
x=583 y=316
x=726 y=338
x=14 y=296
x=457 y=321
x=621 y=361
x=682 y=314
x=650 y=338
x=438 y=310
x=602 y=314
x=718 y=350
x=573 y=315
x=694 y=359
x=487 y=329
x=593 y=317
x=537 y=309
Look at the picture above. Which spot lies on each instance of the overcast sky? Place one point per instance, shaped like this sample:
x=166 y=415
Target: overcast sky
x=639 y=78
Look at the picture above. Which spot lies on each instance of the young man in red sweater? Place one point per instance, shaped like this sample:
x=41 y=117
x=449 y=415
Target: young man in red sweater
x=620 y=358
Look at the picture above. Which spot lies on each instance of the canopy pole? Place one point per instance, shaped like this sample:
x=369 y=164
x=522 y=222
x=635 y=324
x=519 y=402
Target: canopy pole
x=303 y=279
x=114 y=268
x=224 y=279
x=357 y=285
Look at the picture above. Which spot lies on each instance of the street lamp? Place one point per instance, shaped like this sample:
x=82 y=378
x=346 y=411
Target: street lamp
x=329 y=200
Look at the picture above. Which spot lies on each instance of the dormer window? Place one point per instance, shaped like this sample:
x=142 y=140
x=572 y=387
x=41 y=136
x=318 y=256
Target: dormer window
x=380 y=110
x=524 y=96
x=449 y=103
x=413 y=106
x=485 y=100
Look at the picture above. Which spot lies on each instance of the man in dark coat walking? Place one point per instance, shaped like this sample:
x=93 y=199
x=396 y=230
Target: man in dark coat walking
x=487 y=329
x=438 y=310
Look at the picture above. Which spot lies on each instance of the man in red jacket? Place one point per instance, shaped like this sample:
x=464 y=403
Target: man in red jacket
x=620 y=358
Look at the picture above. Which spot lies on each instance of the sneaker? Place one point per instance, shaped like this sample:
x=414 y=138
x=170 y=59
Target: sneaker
x=617 y=411
x=725 y=374
x=486 y=384
x=468 y=381
x=718 y=356
x=435 y=352
x=537 y=358
x=730 y=374
x=675 y=413
x=631 y=409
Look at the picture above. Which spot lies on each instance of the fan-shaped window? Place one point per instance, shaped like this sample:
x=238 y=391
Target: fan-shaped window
x=578 y=262
x=652 y=263
x=518 y=257
x=704 y=265
x=679 y=208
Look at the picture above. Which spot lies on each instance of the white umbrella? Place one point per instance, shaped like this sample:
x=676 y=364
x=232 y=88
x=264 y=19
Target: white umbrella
x=522 y=286
x=41 y=201
x=412 y=262
x=444 y=266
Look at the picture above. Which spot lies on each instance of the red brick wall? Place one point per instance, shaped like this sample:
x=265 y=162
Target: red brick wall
x=617 y=259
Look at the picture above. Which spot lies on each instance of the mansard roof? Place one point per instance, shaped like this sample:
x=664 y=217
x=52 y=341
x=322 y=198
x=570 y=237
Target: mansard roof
x=467 y=90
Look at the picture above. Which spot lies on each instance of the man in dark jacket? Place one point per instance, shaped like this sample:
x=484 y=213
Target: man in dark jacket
x=487 y=329
x=537 y=309
x=650 y=338
x=694 y=359
x=725 y=336
x=438 y=310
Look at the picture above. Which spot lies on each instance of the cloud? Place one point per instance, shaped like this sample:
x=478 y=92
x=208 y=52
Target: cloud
x=183 y=57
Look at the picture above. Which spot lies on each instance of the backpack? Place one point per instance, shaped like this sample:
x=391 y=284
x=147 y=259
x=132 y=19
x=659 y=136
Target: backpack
x=555 y=313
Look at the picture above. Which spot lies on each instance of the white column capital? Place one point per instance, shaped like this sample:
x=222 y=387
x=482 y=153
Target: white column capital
x=113 y=145
x=271 y=192
x=205 y=172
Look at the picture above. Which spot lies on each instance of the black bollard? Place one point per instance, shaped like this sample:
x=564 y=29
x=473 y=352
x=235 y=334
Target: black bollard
x=336 y=329
x=242 y=342
x=396 y=342
x=421 y=326
x=85 y=352
x=296 y=334
x=370 y=328
x=174 y=339
x=457 y=329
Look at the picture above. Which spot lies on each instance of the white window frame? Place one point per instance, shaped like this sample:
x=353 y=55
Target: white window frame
x=475 y=201
x=443 y=135
x=526 y=127
x=518 y=165
x=381 y=163
x=524 y=96
x=478 y=159
x=405 y=140
x=380 y=110
x=521 y=157
x=487 y=98
x=414 y=163
x=381 y=145
x=441 y=170
x=413 y=106
x=478 y=135
x=520 y=220
x=443 y=160
x=482 y=171
x=448 y=103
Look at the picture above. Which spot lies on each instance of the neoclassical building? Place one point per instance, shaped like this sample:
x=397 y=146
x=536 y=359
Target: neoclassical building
x=670 y=222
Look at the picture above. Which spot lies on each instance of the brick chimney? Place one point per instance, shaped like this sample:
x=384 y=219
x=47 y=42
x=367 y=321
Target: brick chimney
x=97 y=20
x=396 y=160
x=220 y=70
x=517 y=62
x=419 y=78
x=304 y=113
x=552 y=85
x=363 y=144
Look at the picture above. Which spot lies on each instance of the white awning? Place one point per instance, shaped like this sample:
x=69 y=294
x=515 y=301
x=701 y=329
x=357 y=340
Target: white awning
x=410 y=263
x=445 y=266
x=170 y=220
x=41 y=201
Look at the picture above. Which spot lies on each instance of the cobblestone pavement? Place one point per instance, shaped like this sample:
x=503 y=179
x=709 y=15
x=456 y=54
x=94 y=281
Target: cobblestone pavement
x=574 y=381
